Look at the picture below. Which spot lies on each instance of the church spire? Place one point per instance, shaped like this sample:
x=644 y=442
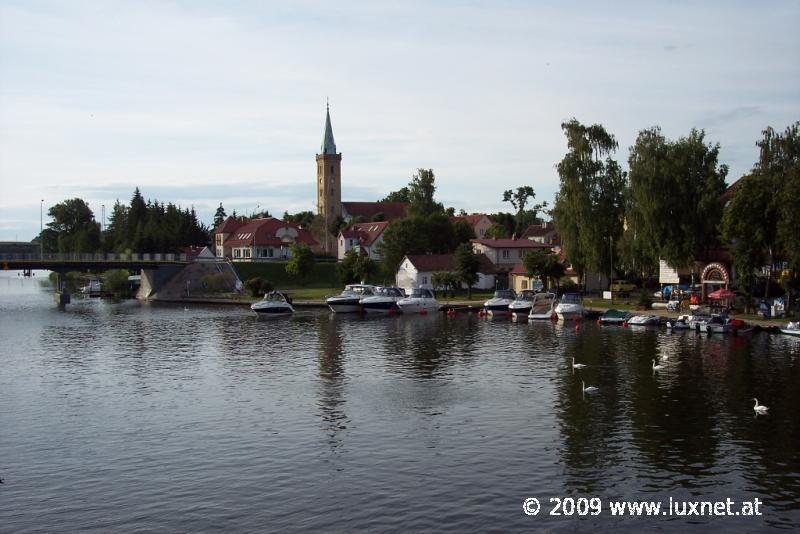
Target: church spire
x=328 y=144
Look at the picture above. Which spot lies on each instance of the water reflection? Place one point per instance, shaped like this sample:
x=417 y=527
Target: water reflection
x=331 y=383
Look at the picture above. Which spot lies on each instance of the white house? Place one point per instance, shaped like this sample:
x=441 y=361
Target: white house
x=362 y=237
x=417 y=271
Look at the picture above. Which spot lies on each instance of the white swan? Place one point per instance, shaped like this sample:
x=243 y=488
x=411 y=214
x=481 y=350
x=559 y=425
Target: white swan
x=577 y=365
x=657 y=367
x=590 y=389
x=760 y=408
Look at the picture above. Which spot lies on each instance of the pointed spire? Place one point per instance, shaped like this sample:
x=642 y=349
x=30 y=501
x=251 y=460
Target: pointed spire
x=328 y=144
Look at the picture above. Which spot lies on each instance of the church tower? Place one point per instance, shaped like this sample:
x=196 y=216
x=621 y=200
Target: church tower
x=329 y=178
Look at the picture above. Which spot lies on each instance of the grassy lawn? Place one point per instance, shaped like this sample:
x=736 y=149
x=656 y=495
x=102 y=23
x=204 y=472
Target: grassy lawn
x=323 y=275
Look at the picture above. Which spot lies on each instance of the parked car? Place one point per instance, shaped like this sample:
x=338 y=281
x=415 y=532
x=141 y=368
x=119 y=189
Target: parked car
x=622 y=286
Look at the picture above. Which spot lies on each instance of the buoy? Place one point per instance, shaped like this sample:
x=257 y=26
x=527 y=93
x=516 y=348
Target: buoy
x=597 y=322
x=577 y=326
x=451 y=312
x=554 y=317
x=423 y=311
x=624 y=324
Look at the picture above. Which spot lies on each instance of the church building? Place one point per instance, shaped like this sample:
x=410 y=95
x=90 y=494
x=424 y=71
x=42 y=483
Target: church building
x=329 y=192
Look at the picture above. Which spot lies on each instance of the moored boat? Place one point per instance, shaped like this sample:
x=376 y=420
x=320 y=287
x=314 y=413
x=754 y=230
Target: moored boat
x=348 y=301
x=718 y=324
x=542 y=307
x=274 y=303
x=498 y=304
x=383 y=300
x=520 y=307
x=93 y=289
x=644 y=320
x=421 y=300
x=612 y=316
x=681 y=323
x=570 y=307
x=792 y=329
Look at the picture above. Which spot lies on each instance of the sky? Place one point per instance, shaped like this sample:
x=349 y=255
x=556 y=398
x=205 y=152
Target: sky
x=198 y=102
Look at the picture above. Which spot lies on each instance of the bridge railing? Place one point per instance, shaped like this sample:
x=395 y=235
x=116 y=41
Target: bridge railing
x=100 y=257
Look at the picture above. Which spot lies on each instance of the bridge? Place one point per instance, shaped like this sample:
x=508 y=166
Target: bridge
x=101 y=261
x=61 y=263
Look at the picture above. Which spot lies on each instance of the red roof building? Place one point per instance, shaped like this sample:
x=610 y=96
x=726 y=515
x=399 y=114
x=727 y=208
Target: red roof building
x=505 y=253
x=259 y=239
x=480 y=222
x=363 y=237
x=417 y=270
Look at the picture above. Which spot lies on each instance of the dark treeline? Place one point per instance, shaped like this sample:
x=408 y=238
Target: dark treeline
x=140 y=226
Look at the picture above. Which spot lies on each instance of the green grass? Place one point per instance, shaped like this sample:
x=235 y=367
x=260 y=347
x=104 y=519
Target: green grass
x=323 y=275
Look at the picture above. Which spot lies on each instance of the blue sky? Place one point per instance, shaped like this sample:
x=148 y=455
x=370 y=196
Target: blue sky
x=205 y=102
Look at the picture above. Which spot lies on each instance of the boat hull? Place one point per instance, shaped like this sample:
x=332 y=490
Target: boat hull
x=273 y=310
x=383 y=307
x=418 y=307
x=790 y=332
x=566 y=312
x=339 y=305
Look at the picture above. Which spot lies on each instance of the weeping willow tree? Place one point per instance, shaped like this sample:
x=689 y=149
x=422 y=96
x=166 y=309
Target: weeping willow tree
x=589 y=206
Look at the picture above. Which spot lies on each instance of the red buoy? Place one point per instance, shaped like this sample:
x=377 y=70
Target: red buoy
x=423 y=312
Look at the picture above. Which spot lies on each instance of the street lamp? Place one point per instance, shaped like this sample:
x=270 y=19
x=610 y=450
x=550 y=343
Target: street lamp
x=103 y=223
x=41 y=229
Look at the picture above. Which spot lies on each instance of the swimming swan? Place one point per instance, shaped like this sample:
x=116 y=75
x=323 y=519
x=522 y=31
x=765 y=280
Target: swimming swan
x=657 y=367
x=760 y=408
x=577 y=365
x=590 y=389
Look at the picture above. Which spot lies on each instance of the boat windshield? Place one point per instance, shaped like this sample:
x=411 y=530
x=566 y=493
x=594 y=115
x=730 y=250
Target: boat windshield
x=421 y=293
x=505 y=294
x=526 y=295
x=357 y=290
x=388 y=292
x=571 y=298
x=274 y=296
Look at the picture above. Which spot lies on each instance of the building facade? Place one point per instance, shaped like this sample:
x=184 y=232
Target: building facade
x=259 y=239
x=363 y=238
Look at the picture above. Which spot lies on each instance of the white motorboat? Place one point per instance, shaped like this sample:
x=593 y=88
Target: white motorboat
x=383 y=301
x=570 y=307
x=718 y=324
x=498 y=304
x=420 y=301
x=698 y=322
x=792 y=329
x=348 y=300
x=542 y=307
x=274 y=303
x=93 y=289
x=644 y=320
x=681 y=323
x=520 y=307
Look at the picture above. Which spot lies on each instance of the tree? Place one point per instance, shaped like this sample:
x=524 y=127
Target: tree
x=355 y=267
x=401 y=195
x=301 y=263
x=420 y=194
x=401 y=238
x=219 y=215
x=467 y=266
x=73 y=227
x=304 y=219
x=506 y=221
x=463 y=232
x=674 y=190
x=761 y=222
x=544 y=265
x=589 y=209
x=439 y=232
x=444 y=280
x=496 y=231
x=519 y=199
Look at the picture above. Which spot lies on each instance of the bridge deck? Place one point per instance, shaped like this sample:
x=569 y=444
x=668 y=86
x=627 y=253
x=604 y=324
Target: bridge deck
x=100 y=261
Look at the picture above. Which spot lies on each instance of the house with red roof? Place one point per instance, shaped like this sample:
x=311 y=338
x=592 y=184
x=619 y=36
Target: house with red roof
x=364 y=238
x=505 y=253
x=480 y=222
x=265 y=238
x=417 y=271
x=197 y=253
x=542 y=233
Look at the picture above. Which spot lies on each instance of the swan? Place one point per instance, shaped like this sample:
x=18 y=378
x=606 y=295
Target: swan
x=590 y=389
x=657 y=367
x=760 y=408
x=577 y=365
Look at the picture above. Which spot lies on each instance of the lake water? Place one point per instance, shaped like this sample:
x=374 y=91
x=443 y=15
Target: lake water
x=118 y=417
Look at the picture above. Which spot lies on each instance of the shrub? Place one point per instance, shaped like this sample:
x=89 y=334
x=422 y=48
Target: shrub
x=258 y=286
x=215 y=283
x=115 y=282
x=645 y=300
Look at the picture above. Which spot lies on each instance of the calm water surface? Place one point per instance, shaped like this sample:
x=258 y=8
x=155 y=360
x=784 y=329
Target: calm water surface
x=134 y=417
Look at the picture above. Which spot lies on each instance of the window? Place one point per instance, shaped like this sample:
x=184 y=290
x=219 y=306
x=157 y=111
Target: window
x=247 y=253
x=424 y=280
x=505 y=254
x=524 y=284
x=331 y=169
x=331 y=191
x=237 y=253
x=519 y=252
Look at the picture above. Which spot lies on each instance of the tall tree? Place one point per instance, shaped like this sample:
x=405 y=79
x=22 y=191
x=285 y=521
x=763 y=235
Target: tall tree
x=519 y=199
x=219 y=215
x=463 y=231
x=467 y=266
x=301 y=263
x=675 y=189
x=420 y=194
x=401 y=195
x=589 y=210
x=73 y=225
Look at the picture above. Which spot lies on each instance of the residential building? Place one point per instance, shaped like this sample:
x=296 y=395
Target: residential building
x=417 y=271
x=364 y=238
x=197 y=253
x=505 y=253
x=544 y=233
x=480 y=222
x=259 y=239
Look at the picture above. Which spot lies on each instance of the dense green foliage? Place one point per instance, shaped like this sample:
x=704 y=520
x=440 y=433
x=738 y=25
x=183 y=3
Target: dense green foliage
x=519 y=200
x=152 y=227
x=674 y=207
x=72 y=229
x=762 y=221
x=401 y=195
x=544 y=265
x=467 y=265
x=355 y=268
x=115 y=282
x=322 y=275
x=420 y=195
x=301 y=264
x=257 y=286
x=589 y=209
x=219 y=215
